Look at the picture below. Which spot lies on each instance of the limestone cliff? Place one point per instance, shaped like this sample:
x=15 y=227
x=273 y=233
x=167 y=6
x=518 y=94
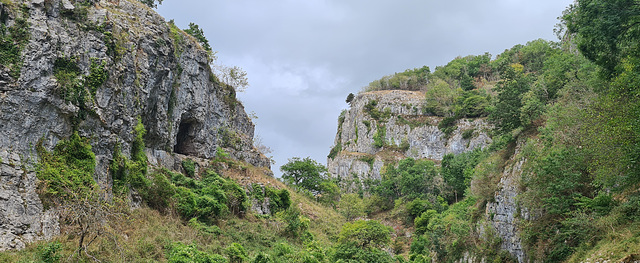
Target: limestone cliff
x=389 y=125
x=504 y=213
x=96 y=67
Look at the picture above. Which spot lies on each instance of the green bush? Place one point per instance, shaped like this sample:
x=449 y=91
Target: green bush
x=97 y=76
x=335 y=150
x=236 y=253
x=467 y=134
x=365 y=234
x=421 y=223
x=189 y=167
x=13 y=39
x=181 y=253
x=379 y=138
x=131 y=173
x=49 y=253
x=362 y=241
x=351 y=206
x=160 y=193
x=279 y=200
x=448 y=125
x=66 y=171
x=297 y=224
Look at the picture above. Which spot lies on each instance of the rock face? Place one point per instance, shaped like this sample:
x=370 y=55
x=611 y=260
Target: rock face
x=154 y=73
x=504 y=213
x=389 y=125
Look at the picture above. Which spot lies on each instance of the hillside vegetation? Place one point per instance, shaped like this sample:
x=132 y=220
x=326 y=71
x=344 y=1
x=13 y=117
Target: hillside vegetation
x=566 y=113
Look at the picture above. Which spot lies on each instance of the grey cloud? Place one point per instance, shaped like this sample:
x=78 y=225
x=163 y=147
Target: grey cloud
x=304 y=57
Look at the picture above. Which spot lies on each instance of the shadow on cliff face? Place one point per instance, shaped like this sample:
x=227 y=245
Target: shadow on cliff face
x=184 y=140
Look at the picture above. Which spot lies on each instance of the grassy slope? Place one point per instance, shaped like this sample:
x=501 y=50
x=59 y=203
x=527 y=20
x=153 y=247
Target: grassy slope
x=146 y=234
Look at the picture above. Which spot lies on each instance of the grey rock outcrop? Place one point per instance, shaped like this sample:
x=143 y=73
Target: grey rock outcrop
x=504 y=213
x=155 y=73
x=407 y=133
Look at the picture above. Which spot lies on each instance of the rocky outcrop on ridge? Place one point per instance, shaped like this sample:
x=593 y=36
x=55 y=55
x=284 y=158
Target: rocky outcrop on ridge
x=97 y=67
x=389 y=125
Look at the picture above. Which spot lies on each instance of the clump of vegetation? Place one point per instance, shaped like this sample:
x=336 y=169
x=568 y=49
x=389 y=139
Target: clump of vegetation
x=335 y=150
x=66 y=171
x=371 y=109
x=230 y=139
x=196 y=32
x=379 y=138
x=189 y=167
x=151 y=3
x=410 y=79
x=132 y=173
x=14 y=38
x=448 y=126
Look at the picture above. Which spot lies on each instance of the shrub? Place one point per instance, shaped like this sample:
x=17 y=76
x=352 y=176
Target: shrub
x=13 y=40
x=279 y=200
x=160 y=192
x=448 y=125
x=49 y=253
x=335 y=150
x=421 y=223
x=66 y=171
x=380 y=136
x=236 y=253
x=467 y=134
x=181 y=253
x=297 y=224
x=351 y=206
x=189 y=167
x=365 y=234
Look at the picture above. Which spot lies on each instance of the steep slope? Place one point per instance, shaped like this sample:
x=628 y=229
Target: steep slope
x=390 y=125
x=97 y=67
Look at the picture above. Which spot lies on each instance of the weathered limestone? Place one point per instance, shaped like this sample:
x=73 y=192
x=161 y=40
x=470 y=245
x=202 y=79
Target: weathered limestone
x=157 y=75
x=407 y=131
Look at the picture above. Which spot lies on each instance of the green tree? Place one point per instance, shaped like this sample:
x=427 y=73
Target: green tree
x=195 y=31
x=304 y=174
x=607 y=31
x=351 y=206
x=411 y=179
x=457 y=171
x=350 y=98
x=514 y=83
x=365 y=234
x=151 y=3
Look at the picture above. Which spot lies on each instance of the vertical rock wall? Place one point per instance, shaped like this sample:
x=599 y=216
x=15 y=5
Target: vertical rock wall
x=407 y=133
x=154 y=73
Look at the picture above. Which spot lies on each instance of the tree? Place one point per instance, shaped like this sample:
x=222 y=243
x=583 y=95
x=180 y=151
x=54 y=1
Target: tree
x=151 y=3
x=351 y=206
x=365 y=234
x=607 y=31
x=304 y=174
x=411 y=179
x=350 y=98
x=234 y=76
x=514 y=84
x=195 y=31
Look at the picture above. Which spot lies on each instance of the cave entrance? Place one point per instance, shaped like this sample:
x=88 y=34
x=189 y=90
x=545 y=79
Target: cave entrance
x=184 y=140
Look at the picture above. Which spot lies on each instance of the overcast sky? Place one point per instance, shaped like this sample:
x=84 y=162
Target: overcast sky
x=304 y=57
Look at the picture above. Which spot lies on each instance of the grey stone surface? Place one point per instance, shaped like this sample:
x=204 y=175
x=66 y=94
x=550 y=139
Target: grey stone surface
x=425 y=140
x=152 y=76
x=504 y=214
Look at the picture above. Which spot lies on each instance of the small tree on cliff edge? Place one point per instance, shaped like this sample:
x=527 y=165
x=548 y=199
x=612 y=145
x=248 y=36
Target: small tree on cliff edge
x=151 y=3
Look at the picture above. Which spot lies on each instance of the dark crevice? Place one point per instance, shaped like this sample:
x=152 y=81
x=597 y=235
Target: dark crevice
x=184 y=140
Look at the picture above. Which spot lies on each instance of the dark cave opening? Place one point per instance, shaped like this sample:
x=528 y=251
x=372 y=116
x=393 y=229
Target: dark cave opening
x=184 y=139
